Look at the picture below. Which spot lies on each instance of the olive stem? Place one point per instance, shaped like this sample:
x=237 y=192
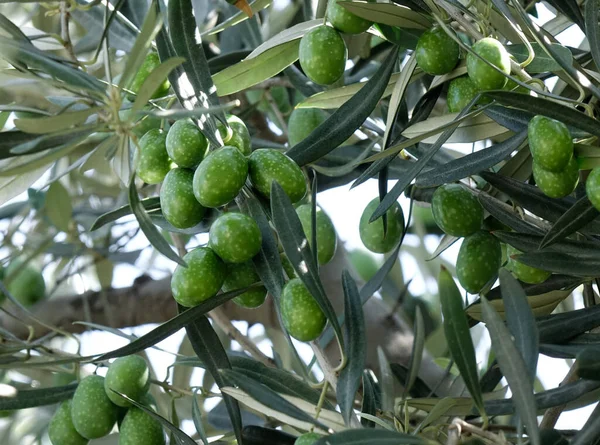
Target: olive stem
x=552 y=414
x=321 y=399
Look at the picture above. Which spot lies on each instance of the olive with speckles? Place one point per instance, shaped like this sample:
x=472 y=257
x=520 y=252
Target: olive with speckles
x=461 y=91
x=220 y=177
x=61 y=430
x=201 y=280
x=239 y=137
x=268 y=165
x=139 y=428
x=557 y=184
x=151 y=62
x=372 y=234
x=344 y=20
x=307 y=439
x=235 y=237
x=478 y=261
x=323 y=55
x=154 y=162
x=92 y=412
x=302 y=317
x=127 y=375
x=484 y=76
x=326 y=236
x=550 y=143
x=178 y=204
x=302 y=122
x=240 y=276
x=592 y=187
x=436 y=52
x=186 y=144
x=523 y=272
x=456 y=211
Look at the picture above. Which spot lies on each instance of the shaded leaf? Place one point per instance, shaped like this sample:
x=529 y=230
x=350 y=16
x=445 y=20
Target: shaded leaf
x=588 y=363
x=458 y=336
x=565 y=326
x=414 y=365
x=344 y=121
x=591 y=430
x=153 y=82
x=542 y=62
x=577 y=217
x=53 y=124
x=197 y=419
x=58 y=206
x=355 y=333
x=148 y=204
x=238 y=17
x=561 y=263
x=257 y=435
x=287 y=35
x=29 y=398
x=388 y=14
x=506 y=214
x=592 y=28
x=370 y=436
x=370 y=403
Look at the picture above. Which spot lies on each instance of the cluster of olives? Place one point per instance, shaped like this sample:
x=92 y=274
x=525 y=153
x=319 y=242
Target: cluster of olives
x=555 y=169
x=437 y=54
x=457 y=212
x=26 y=284
x=323 y=52
x=97 y=406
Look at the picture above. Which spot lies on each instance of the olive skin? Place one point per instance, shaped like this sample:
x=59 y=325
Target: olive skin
x=307 y=439
x=372 y=234
x=178 y=204
x=202 y=278
x=323 y=55
x=186 y=145
x=345 y=21
x=523 y=272
x=235 y=237
x=220 y=177
x=557 y=185
x=478 y=261
x=240 y=276
x=27 y=284
x=138 y=428
x=326 y=236
x=550 y=143
x=267 y=165
x=239 y=136
x=92 y=412
x=127 y=375
x=461 y=91
x=302 y=317
x=151 y=62
x=456 y=211
x=592 y=187
x=484 y=76
x=302 y=122
x=365 y=265
x=436 y=52
x=61 y=430
x=154 y=162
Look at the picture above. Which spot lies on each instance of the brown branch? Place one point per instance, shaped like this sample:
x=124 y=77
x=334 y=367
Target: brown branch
x=552 y=414
x=64 y=31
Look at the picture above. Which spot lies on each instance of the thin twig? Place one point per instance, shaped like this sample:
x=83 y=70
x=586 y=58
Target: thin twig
x=552 y=414
x=460 y=425
x=64 y=31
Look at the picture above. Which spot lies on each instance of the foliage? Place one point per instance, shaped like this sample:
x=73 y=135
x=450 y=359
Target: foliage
x=100 y=100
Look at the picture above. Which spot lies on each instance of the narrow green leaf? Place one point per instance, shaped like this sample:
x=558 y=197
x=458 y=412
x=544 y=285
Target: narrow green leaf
x=577 y=217
x=458 y=336
x=153 y=81
x=238 y=17
x=152 y=233
x=559 y=328
x=113 y=215
x=295 y=246
x=561 y=263
x=514 y=368
x=591 y=430
x=176 y=433
x=542 y=62
x=386 y=382
x=419 y=387
x=390 y=14
x=592 y=28
x=182 y=29
x=8 y=27
x=370 y=400
x=440 y=409
x=13 y=186
x=356 y=353
x=249 y=72
x=370 y=436
x=588 y=363
x=418 y=346
x=168 y=328
x=346 y=119
x=570 y=8
x=287 y=35
x=545 y=107
x=555 y=282
x=258 y=435
x=54 y=124
x=521 y=321
x=313 y=220
x=197 y=419
x=268 y=397
x=506 y=214
x=210 y=351
x=376 y=281
x=530 y=243
x=59 y=207
x=30 y=398
x=472 y=163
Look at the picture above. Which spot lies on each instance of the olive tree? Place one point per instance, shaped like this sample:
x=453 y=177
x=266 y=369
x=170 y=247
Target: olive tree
x=160 y=171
